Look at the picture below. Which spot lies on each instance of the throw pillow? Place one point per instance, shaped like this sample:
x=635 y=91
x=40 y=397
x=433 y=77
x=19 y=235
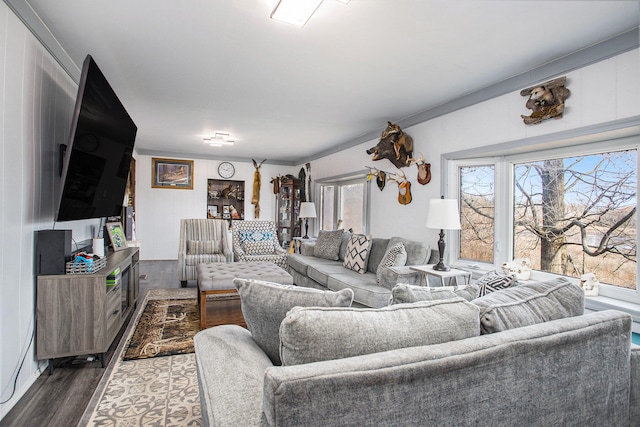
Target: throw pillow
x=258 y=248
x=314 y=334
x=403 y=293
x=328 y=244
x=255 y=236
x=494 y=281
x=200 y=247
x=265 y=304
x=357 y=253
x=529 y=304
x=396 y=256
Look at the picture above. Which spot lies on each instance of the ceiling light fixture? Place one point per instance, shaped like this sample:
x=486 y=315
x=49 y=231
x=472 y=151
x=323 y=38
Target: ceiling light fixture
x=295 y=12
x=218 y=139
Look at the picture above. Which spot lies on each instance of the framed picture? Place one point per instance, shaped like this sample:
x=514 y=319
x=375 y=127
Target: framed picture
x=213 y=211
x=172 y=173
x=116 y=234
x=226 y=212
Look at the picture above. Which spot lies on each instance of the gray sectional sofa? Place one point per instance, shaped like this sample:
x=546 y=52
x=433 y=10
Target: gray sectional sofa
x=321 y=273
x=426 y=363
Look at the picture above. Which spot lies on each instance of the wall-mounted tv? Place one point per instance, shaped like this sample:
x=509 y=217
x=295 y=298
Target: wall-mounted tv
x=98 y=156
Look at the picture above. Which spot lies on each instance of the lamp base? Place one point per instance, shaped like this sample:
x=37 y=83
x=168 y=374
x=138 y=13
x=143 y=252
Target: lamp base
x=306 y=228
x=441 y=267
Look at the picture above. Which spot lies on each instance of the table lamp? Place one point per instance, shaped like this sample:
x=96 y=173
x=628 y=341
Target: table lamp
x=307 y=210
x=445 y=215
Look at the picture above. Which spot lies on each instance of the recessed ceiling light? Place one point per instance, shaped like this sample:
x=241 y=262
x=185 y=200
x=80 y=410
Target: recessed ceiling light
x=296 y=12
x=218 y=139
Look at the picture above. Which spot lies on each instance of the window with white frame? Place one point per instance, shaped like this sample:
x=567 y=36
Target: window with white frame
x=570 y=210
x=344 y=202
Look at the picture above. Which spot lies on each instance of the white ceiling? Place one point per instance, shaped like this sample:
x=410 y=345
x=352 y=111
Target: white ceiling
x=185 y=69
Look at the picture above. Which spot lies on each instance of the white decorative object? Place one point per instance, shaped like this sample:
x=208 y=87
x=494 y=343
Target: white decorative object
x=519 y=267
x=590 y=284
x=98 y=246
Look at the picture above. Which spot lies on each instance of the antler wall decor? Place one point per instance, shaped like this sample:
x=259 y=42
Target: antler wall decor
x=404 y=186
x=424 y=169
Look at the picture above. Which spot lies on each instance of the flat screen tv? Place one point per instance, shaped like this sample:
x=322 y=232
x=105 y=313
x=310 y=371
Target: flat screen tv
x=98 y=155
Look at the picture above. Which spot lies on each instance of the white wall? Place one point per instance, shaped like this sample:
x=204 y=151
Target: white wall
x=159 y=210
x=605 y=91
x=36 y=105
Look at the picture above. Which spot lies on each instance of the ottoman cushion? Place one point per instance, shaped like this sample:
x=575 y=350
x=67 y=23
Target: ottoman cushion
x=213 y=276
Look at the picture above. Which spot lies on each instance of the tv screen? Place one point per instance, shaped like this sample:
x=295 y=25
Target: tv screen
x=99 y=152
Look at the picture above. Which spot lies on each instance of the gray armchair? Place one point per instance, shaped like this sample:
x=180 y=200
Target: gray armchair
x=201 y=240
x=257 y=241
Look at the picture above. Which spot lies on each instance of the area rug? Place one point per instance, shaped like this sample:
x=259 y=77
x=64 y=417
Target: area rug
x=158 y=391
x=166 y=327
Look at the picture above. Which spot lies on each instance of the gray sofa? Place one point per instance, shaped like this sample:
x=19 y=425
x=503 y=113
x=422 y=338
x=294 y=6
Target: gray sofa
x=346 y=366
x=320 y=273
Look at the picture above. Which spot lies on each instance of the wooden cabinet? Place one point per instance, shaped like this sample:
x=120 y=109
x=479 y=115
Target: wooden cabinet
x=225 y=199
x=288 y=209
x=78 y=314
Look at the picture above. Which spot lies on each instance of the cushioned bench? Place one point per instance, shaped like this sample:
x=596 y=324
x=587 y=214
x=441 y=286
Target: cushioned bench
x=217 y=278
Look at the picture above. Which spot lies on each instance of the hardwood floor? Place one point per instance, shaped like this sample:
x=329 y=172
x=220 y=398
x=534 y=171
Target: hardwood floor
x=59 y=400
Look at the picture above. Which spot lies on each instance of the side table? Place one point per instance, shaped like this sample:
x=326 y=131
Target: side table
x=427 y=270
x=298 y=242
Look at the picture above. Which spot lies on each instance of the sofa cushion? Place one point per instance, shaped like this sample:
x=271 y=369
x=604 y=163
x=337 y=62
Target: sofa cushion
x=378 y=249
x=313 y=334
x=259 y=248
x=365 y=289
x=529 y=304
x=357 y=253
x=418 y=253
x=343 y=245
x=328 y=244
x=301 y=263
x=494 y=281
x=198 y=247
x=265 y=304
x=404 y=293
x=396 y=256
x=321 y=272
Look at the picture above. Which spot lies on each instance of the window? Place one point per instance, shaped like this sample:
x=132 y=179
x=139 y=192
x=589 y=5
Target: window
x=344 y=201
x=477 y=212
x=570 y=210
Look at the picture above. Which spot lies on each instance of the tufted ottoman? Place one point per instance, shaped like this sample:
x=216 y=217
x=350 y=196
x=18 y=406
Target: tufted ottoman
x=217 y=278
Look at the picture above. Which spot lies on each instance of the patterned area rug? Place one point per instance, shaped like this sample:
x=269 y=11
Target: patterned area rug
x=165 y=327
x=158 y=391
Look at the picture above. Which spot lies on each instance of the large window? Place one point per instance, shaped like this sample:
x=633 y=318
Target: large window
x=344 y=203
x=570 y=211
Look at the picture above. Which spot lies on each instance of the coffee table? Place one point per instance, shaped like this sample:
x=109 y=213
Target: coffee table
x=217 y=278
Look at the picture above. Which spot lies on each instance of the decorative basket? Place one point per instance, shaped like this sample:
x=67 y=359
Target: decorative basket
x=85 y=267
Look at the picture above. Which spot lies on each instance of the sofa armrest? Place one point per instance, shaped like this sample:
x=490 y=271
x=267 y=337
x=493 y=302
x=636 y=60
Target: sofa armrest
x=634 y=392
x=308 y=248
x=231 y=369
x=391 y=276
x=279 y=249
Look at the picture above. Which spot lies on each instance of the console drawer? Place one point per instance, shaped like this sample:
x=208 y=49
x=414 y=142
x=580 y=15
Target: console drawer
x=113 y=310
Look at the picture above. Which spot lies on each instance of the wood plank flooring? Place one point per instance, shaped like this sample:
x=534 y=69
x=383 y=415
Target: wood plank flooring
x=59 y=400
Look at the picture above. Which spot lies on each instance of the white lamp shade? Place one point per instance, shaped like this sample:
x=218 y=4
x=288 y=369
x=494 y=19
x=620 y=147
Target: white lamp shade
x=307 y=210
x=443 y=214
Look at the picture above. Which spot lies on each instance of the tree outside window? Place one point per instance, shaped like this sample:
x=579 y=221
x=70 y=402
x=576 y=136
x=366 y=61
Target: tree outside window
x=576 y=215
